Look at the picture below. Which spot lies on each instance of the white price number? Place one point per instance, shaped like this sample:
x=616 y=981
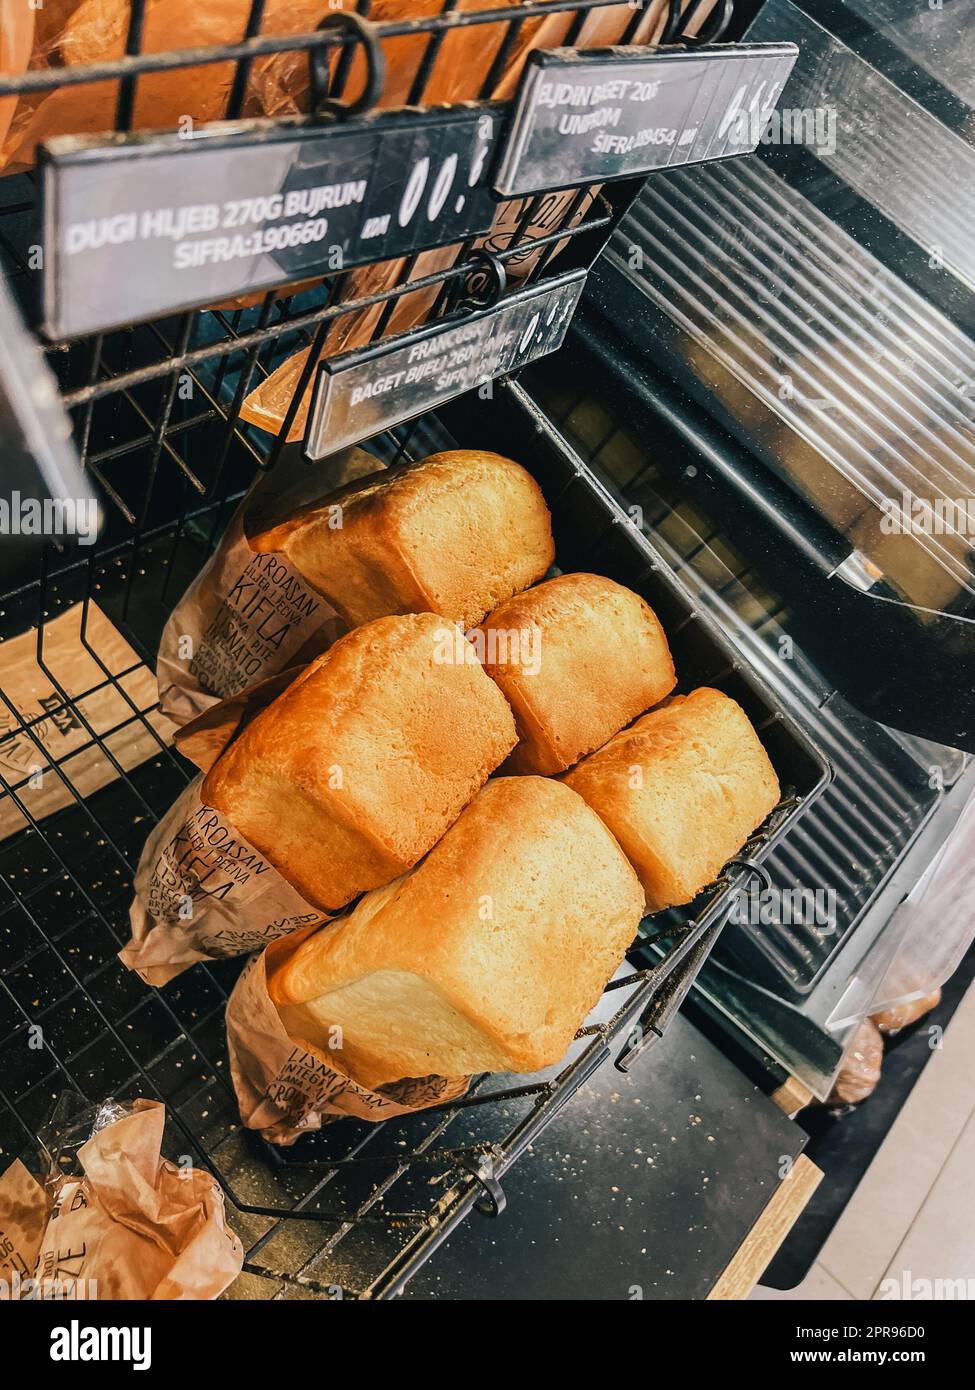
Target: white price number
x=439 y=193
x=759 y=107
x=559 y=311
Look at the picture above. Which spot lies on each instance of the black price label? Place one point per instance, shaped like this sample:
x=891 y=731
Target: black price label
x=585 y=117
x=372 y=389
x=146 y=225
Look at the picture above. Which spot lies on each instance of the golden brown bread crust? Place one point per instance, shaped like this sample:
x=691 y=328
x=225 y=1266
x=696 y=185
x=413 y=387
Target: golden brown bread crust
x=455 y=534
x=603 y=659
x=486 y=957
x=681 y=790
x=360 y=766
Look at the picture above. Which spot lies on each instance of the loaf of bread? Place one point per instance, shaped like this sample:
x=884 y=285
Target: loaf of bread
x=681 y=790
x=486 y=957
x=455 y=534
x=352 y=774
x=577 y=657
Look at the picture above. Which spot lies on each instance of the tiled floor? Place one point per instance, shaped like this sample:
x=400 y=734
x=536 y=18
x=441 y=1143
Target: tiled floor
x=911 y=1222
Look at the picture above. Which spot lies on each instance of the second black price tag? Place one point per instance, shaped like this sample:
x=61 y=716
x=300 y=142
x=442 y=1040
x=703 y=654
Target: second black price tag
x=582 y=117
x=146 y=225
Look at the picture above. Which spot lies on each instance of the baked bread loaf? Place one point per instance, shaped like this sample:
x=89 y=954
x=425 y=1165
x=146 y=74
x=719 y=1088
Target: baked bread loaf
x=351 y=775
x=681 y=790
x=455 y=534
x=577 y=658
x=486 y=957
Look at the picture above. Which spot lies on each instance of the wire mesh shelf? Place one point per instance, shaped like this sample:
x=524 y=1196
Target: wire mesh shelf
x=354 y=1210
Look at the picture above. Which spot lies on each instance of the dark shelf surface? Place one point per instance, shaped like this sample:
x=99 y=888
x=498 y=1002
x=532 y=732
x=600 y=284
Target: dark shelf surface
x=644 y=1186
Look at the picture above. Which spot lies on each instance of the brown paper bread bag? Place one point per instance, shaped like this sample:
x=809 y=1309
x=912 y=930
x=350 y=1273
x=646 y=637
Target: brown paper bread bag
x=202 y=891
x=286 y=1087
x=182 y=912
x=248 y=615
x=299 y=815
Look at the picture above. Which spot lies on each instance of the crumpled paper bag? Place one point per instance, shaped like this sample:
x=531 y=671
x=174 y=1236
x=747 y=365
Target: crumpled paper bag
x=134 y=1226
x=285 y=1086
x=24 y=1210
x=249 y=615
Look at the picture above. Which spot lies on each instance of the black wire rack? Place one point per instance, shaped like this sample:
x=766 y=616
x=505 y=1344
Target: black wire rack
x=355 y=1210
x=156 y=409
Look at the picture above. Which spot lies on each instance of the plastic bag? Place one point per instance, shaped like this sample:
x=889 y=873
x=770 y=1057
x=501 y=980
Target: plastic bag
x=79 y=32
x=936 y=922
x=860 y=1069
x=926 y=937
x=16 y=46
x=94 y=31
x=891 y=1021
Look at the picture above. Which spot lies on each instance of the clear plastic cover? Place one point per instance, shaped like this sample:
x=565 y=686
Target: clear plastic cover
x=788 y=310
x=927 y=936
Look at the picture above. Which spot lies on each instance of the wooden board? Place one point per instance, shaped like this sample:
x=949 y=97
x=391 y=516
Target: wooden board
x=768 y=1233
x=121 y=717
x=792 y=1096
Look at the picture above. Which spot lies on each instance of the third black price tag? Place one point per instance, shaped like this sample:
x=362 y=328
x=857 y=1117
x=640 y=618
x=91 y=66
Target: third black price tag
x=143 y=225
x=360 y=393
x=584 y=117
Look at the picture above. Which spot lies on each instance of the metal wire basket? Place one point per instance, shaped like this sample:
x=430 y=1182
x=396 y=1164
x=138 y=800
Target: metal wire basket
x=356 y=1209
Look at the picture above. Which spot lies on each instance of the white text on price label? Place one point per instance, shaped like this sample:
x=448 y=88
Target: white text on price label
x=360 y=393
x=585 y=117
x=146 y=225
